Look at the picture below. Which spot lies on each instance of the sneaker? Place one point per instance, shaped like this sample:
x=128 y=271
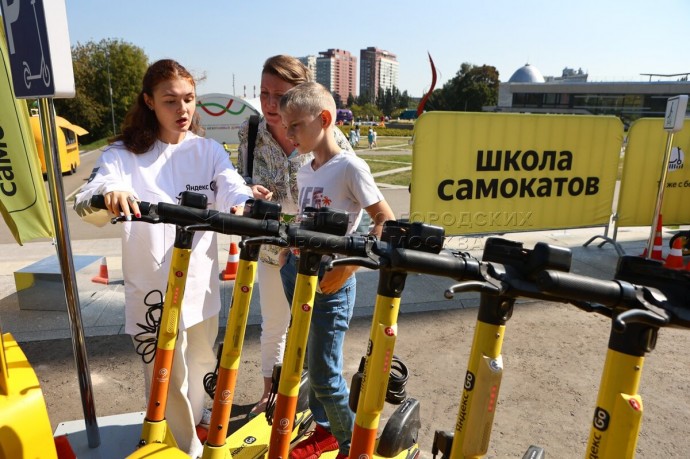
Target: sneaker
x=205 y=418
x=201 y=434
x=318 y=441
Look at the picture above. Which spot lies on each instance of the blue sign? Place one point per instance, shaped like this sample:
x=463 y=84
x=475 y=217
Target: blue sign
x=29 y=51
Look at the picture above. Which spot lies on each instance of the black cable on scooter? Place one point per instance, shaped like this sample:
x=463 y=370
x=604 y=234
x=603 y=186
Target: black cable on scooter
x=273 y=393
x=397 y=380
x=211 y=378
x=147 y=340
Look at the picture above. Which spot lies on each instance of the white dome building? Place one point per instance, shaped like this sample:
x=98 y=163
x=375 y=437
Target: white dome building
x=527 y=74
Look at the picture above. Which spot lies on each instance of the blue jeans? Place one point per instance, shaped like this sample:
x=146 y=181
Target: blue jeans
x=328 y=391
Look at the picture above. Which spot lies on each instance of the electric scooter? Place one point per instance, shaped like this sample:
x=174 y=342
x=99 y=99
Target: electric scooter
x=251 y=440
x=644 y=297
x=191 y=215
x=400 y=434
x=507 y=271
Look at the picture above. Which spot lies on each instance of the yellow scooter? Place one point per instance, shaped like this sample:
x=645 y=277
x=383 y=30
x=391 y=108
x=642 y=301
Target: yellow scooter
x=644 y=297
x=191 y=215
x=506 y=272
x=400 y=433
x=251 y=440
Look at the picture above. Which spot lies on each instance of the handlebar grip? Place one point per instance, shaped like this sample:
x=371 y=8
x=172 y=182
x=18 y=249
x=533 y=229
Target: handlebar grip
x=445 y=264
x=352 y=245
x=98 y=202
x=220 y=222
x=575 y=287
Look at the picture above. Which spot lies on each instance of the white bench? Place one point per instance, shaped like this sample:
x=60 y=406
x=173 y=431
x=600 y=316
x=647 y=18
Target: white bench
x=40 y=286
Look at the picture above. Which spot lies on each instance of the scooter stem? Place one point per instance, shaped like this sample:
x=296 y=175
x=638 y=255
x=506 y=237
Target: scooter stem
x=232 y=351
x=295 y=350
x=382 y=337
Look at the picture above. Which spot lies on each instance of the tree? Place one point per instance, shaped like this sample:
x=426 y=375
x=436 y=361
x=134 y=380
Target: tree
x=472 y=88
x=365 y=111
x=364 y=98
x=404 y=100
x=98 y=67
x=390 y=99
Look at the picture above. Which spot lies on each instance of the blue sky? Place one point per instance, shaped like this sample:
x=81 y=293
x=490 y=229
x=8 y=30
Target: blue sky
x=612 y=40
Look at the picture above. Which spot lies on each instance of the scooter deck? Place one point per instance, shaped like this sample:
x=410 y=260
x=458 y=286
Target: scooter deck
x=251 y=440
x=410 y=453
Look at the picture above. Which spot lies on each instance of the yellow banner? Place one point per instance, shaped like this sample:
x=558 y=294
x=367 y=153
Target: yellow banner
x=476 y=173
x=642 y=169
x=23 y=200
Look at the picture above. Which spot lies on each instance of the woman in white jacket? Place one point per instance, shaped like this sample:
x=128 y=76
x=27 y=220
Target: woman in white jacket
x=157 y=156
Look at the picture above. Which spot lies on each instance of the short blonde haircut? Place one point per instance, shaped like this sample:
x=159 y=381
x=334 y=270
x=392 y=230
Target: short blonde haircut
x=310 y=97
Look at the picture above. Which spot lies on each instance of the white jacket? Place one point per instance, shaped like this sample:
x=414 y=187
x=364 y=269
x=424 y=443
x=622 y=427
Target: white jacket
x=160 y=175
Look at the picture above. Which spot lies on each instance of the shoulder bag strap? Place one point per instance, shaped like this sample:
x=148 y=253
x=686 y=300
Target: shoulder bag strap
x=251 y=143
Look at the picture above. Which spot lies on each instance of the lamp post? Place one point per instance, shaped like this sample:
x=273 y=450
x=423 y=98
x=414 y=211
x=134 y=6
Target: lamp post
x=110 y=88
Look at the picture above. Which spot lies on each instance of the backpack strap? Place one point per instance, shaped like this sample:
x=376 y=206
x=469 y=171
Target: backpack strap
x=251 y=143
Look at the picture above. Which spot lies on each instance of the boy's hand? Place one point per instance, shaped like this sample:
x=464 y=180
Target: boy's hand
x=261 y=192
x=334 y=279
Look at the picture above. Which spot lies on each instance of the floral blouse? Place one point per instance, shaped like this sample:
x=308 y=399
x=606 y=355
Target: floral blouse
x=277 y=172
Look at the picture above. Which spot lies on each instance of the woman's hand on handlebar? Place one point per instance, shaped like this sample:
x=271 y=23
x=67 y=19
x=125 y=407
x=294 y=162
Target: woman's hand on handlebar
x=122 y=203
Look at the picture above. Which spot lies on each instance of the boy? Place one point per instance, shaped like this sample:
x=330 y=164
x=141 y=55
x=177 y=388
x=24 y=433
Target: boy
x=340 y=181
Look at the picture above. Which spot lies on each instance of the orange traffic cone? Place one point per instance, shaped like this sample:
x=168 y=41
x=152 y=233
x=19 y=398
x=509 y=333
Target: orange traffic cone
x=102 y=277
x=230 y=271
x=675 y=258
x=657 y=249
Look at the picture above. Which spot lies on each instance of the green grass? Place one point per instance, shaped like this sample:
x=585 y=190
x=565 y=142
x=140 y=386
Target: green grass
x=399 y=178
x=400 y=143
x=407 y=159
x=93 y=145
x=385 y=163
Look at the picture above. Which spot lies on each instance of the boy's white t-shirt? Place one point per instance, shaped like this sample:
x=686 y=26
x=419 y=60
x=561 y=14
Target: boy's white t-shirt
x=344 y=182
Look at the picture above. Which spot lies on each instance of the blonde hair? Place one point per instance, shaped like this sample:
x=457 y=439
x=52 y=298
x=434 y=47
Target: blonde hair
x=310 y=97
x=287 y=68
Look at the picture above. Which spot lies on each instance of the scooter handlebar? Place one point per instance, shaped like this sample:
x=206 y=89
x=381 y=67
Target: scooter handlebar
x=446 y=263
x=351 y=245
x=98 y=202
x=576 y=287
x=633 y=303
x=204 y=219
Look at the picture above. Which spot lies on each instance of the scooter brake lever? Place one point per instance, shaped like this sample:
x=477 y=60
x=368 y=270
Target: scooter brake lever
x=641 y=316
x=192 y=228
x=260 y=240
x=357 y=261
x=653 y=313
x=474 y=286
x=144 y=218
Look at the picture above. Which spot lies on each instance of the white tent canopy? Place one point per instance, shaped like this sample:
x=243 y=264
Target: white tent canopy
x=222 y=114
